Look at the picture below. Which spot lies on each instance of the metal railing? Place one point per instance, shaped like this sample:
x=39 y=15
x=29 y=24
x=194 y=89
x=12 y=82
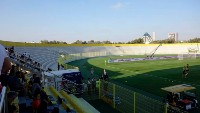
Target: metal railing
x=3 y=100
x=128 y=101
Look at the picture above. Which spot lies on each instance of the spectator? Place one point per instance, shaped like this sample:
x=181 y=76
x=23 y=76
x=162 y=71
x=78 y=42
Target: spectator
x=6 y=50
x=39 y=67
x=36 y=104
x=105 y=75
x=44 y=101
x=105 y=82
x=94 y=84
x=104 y=72
x=58 y=66
x=11 y=52
x=187 y=69
x=23 y=74
x=184 y=72
x=12 y=49
x=12 y=107
x=92 y=71
x=13 y=70
x=36 y=87
x=14 y=82
x=33 y=77
x=1 y=87
x=89 y=85
x=101 y=77
x=29 y=89
x=5 y=66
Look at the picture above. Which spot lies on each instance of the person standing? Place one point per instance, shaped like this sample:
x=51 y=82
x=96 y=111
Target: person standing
x=105 y=75
x=187 y=69
x=44 y=101
x=36 y=103
x=92 y=71
x=89 y=86
x=94 y=84
x=105 y=82
x=58 y=66
x=184 y=73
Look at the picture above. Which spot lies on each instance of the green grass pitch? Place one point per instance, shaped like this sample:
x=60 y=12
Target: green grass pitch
x=148 y=75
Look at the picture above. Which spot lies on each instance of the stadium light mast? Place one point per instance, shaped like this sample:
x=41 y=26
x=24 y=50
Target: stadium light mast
x=154 y=36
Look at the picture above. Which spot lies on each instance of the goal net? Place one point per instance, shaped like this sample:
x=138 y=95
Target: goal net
x=182 y=56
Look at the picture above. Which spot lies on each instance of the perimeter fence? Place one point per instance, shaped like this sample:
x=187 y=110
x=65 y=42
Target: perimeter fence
x=129 y=101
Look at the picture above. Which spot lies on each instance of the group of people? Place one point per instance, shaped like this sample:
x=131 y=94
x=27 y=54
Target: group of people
x=185 y=71
x=37 y=93
x=91 y=83
x=5 y=67
x=104 y=75
x=104 y=78
x=18 y=84
x=13 y=78
x=24 y=59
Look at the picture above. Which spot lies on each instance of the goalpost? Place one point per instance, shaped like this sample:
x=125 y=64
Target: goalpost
x=182 y=56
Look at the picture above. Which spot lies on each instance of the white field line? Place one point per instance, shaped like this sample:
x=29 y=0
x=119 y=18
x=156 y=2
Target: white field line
x=177 y=81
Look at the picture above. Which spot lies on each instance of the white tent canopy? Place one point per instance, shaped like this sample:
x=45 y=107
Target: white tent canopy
x=178 y=88
x=60 y=72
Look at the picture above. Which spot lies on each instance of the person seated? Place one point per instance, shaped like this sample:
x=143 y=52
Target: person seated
x=12 y=105
x=194 y=103
x=173 y=103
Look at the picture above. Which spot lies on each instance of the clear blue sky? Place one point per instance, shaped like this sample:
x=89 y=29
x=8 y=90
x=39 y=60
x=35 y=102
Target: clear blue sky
x=114 y=20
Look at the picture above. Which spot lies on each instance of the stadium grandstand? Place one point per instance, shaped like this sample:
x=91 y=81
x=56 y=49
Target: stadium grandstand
x=33 y=67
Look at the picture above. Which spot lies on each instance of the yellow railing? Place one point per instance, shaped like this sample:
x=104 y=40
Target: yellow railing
x=127 y=101
x=56 y=94
x=72 y=102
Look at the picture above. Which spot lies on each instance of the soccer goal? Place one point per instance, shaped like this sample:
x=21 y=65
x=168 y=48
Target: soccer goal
x=182 y=56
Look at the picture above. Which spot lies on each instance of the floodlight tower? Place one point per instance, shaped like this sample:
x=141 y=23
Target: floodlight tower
x=176 y=36
x=154 y=36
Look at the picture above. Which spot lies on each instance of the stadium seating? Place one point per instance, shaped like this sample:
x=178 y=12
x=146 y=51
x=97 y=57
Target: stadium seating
x=47 y=56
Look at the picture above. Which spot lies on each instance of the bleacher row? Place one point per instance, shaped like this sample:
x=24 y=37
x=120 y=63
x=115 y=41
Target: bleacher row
x=47 y=56
x=42 y=55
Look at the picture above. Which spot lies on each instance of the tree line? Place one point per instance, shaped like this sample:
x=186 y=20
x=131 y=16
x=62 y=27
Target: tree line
x=135 y=41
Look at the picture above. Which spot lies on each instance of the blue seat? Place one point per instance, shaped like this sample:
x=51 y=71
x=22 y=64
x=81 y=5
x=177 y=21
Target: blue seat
x=22 y=103
x=29 y=102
